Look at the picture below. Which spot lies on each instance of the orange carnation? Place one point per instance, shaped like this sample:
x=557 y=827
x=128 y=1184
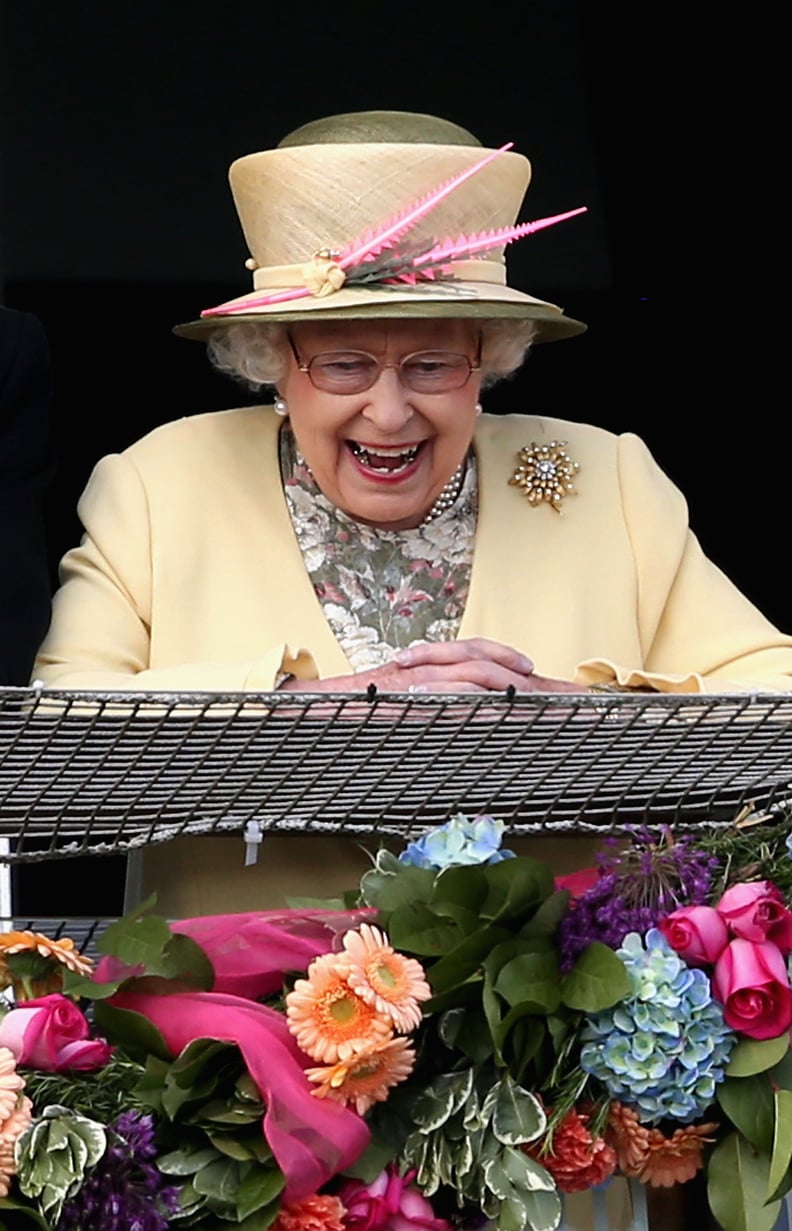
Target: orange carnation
x=318 y=1213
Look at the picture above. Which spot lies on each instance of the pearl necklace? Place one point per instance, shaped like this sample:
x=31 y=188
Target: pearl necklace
x=448 y=496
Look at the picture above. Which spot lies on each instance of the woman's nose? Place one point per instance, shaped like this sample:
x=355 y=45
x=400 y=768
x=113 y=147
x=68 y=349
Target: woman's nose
x=388 y=404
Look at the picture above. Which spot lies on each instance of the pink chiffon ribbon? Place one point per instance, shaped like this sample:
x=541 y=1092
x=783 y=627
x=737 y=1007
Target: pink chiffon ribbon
x=312 y=1139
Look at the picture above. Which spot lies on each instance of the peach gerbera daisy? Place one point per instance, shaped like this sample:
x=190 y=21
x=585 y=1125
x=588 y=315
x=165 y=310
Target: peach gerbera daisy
x=318 y=1213
x=328 y=1019
x=11 y=1084
x=675 y=1159
x=366 y=1078
x=10 y=1130
x=62 y=951
x=394 y=984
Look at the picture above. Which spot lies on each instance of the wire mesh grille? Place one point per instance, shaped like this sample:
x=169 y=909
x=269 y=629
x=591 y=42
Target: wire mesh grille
x=90 y=772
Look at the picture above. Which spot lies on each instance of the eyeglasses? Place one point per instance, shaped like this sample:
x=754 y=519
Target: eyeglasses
x=355 y=371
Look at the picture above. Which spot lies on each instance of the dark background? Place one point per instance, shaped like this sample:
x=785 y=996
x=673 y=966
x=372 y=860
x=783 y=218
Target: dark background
x=119 y=122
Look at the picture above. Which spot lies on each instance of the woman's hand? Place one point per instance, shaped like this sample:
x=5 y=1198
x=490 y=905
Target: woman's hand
x=476 y=665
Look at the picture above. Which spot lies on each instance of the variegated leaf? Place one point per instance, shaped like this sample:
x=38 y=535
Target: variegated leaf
x=446 y=1095
x=518 y=1116
x=525 y=1173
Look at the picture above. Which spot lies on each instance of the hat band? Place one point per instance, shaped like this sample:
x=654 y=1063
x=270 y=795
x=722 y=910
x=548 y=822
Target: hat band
x=280 y=277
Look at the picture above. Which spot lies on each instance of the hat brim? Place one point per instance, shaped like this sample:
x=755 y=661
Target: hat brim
x=462 y=300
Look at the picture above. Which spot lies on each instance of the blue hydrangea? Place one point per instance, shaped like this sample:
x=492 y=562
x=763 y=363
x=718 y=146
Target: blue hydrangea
x=460 y=841
x=664 y=1048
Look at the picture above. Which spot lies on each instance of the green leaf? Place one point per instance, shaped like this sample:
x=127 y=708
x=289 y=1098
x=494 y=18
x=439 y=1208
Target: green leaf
x=79 y=987
x=781 y=1073
x=371 y=1162
x=203 y=1064
x=512 y=1214
x=415 y=928
x=187 y=1160
x=532 y=979
x=138 y=939
x=526 y=1174
x=748 y=1102
x=598 y=980
x=390 y=890
x=464 y=888
x=547 y=918
x=258 y=1189
x=542 y=1210
x=467 y=1030
x=461 y=963
x=261 y=1220
x=20 y=1211
x=186 y=961
x=779 y=1180
x=518 y=1116
x=754 y=1056
x=440 y=1100
x=737 y=1187
x=132 y=1031
x=517 y=887
x=525 y=1036
x=218 y=1180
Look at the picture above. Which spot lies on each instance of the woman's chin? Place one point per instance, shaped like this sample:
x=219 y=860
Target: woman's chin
x=392 y=518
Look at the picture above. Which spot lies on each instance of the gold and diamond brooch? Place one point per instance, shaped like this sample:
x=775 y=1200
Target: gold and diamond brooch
x=545 y=473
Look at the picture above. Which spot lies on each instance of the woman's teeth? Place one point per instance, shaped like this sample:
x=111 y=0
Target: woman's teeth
x=382 y=458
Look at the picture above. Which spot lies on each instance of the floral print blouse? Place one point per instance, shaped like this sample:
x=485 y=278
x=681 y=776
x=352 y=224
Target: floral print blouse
x=382 y=590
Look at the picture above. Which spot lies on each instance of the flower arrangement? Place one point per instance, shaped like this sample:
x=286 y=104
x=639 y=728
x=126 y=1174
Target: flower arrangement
x=461 y=1040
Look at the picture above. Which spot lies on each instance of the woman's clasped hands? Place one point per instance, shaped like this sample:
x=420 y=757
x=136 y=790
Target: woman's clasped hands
x=474 y=665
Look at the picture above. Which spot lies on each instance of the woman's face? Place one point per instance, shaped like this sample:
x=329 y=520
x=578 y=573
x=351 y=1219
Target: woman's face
x=383 y=455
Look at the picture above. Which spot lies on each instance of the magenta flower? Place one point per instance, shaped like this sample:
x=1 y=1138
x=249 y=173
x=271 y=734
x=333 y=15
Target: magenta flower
x=752 y=984
x=755 y=910
x=697 y=933
x=389 y=1203
x=52 y=1034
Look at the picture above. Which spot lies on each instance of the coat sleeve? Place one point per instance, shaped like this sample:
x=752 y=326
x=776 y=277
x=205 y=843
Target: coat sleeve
x=698 y=632
x=100 y=634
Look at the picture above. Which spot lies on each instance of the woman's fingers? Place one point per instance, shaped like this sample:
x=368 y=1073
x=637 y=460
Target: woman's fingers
x=472 y=666
x=473 y=649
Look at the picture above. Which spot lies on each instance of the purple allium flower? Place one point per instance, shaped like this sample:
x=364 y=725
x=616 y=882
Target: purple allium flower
x=124 y=1191
x=637 y=887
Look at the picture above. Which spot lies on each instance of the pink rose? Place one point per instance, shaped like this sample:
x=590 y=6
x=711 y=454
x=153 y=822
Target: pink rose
x=697 y=933
x=388 y=1203
x=755 y=910
x=52 y=1034
x=752 y=984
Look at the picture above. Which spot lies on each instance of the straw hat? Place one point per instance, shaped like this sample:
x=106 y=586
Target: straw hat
x=381 y=214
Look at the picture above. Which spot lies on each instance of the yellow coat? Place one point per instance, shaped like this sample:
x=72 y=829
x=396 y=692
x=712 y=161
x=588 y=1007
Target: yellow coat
x=189 y=576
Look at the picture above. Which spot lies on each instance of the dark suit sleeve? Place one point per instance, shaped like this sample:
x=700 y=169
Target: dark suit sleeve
x=26 y=466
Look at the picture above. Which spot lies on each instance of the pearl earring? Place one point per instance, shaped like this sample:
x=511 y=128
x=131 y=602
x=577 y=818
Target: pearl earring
x=280 y=407
x=479 y=408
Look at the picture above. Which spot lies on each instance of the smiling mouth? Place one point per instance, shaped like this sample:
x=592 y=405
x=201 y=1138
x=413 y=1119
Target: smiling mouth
x=392 y=460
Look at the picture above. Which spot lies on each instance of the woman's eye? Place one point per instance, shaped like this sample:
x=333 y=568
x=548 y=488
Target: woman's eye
x=345 y=367
x=429 y=367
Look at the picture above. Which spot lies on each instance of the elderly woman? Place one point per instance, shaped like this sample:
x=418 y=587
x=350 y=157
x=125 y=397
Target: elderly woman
x=372 y=525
